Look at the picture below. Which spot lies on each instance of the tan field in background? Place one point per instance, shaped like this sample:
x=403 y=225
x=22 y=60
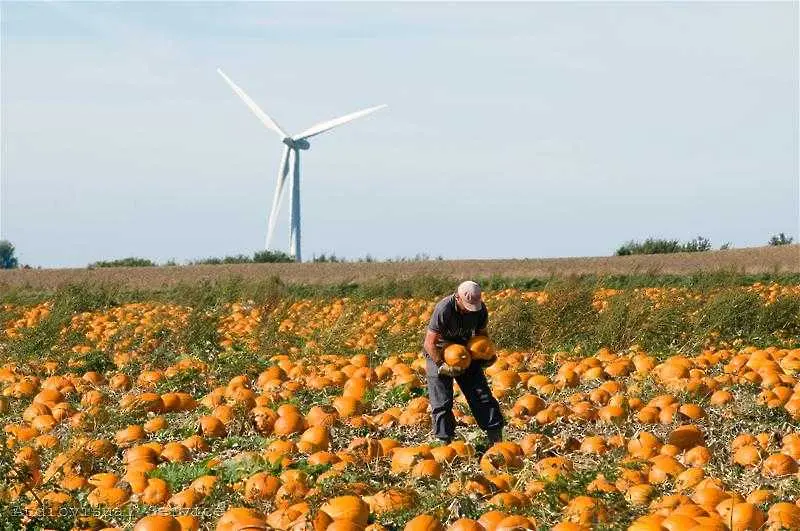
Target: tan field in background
x=783 y=259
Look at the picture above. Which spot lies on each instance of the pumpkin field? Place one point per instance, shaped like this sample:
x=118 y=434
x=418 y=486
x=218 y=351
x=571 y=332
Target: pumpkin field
x=659 y=404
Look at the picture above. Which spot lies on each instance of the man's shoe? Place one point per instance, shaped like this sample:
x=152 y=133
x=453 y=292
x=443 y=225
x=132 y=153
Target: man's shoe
x=495 y=436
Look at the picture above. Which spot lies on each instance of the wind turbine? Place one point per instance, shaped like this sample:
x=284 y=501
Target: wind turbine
x=290 y=161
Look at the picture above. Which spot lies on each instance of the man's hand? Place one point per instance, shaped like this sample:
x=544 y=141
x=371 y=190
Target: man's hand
x=452 y=372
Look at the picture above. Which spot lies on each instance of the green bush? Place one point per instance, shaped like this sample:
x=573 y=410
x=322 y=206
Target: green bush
x=238 y=259
x=7 y=258
x=131 y=261
x=662 y=246
x=697 y=245
x=261 y=257
x=329 y=258
x=781 y=239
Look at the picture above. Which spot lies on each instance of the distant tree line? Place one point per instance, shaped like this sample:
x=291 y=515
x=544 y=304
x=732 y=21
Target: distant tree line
x=332 y=258
x=664 y=246
x=259 y=257
x=699 y=244
x=130 y=261
x=781 y=239
x=8 y=259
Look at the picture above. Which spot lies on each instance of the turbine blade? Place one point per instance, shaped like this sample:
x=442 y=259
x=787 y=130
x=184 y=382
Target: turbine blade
x=269 y=122
x=330 y=124
x=283 y=171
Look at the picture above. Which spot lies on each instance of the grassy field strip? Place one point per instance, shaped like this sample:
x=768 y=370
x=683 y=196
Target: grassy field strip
x=780 y=259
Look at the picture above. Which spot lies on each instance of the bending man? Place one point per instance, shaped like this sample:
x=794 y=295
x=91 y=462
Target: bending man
x=456 y=319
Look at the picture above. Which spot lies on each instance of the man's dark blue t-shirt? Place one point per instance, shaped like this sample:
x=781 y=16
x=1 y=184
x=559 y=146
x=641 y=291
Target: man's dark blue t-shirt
x=454 y=326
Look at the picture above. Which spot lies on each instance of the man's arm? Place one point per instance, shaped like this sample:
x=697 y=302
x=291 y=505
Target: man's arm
x=431 y=340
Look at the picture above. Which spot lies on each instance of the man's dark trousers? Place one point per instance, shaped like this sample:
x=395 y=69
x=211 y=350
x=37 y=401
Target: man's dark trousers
x=473 y=384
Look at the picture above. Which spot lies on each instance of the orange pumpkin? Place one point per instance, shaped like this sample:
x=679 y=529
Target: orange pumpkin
x=784 y=515
x=465 y=524
x=157 y=523
x=211 y=426
x=778 y=465
x=515 y=523
x=240 y=518
x=489 y=520
x=686 y=437
x=391 y=500
x=156 y=492
x=481 y=348
x=424 y=522
x=350 y=508
x=456 y=355
x=745 y=517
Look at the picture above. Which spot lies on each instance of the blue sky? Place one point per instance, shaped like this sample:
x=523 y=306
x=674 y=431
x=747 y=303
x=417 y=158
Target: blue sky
x=513 y=130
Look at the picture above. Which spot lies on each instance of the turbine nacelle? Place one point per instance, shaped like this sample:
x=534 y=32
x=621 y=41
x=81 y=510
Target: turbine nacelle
x=301 y=143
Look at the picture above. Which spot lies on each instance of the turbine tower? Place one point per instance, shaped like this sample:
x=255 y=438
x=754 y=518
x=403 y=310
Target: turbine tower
x=290 y=162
